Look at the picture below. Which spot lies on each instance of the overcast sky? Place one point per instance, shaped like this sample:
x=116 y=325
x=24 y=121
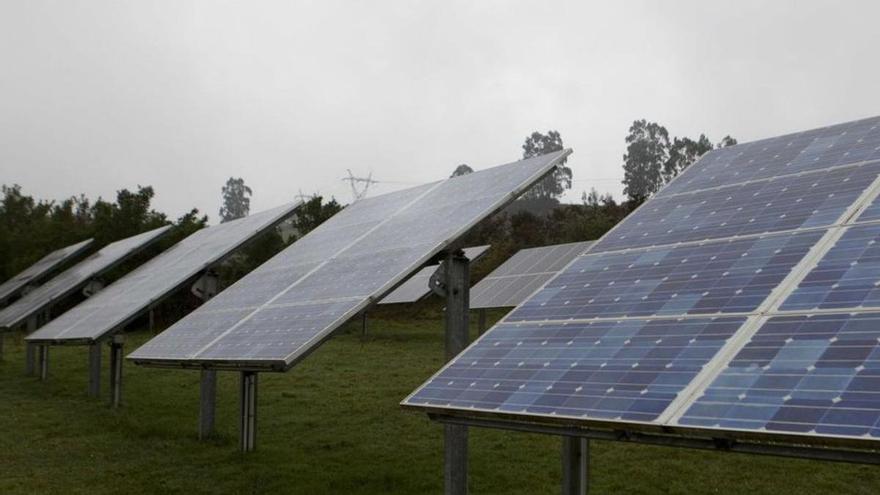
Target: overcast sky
x=97 y=96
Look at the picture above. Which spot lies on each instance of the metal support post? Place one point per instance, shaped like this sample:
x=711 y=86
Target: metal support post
x=152 y=321
x=207 y=402
x=248 y=409
x=575 y=465
x=457 y=275
x=364 y=324
x=95 y=370
x=481 y=321
x=44 y=362
x=30 y=354
x=116 y=344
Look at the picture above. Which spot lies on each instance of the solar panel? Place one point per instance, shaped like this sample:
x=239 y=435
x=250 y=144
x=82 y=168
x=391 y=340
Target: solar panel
x=837 y=145
x=524 y=273
x=726 y=276
x=612 y=369
x=126 y=298
x=285 y=308
x=38 y=271
x=814 y=199
x=76 y=276
x=417 y=287
x=814 y=374
x=764 y=289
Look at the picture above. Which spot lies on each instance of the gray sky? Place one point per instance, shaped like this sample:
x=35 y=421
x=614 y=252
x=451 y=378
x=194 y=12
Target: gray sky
x=100 y=95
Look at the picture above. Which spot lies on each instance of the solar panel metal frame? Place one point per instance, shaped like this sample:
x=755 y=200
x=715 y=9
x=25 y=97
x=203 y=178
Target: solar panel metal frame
x=666 y=425
x=473 y=254
x=475 y=303
x=15 y=288
x=159 y=233
x=170 y=291
x=451 y=243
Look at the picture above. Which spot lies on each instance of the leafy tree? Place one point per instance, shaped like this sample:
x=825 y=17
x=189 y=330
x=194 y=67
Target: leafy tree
x=554 y=185
x=314 y=212
x=462 y=169
x=129 y=215
x=236 y=200
x=727 y=141
x=647 y=153
x=682 y=153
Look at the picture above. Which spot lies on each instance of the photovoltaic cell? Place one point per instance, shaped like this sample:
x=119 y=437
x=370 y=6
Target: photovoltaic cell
x=812 y=374
x=76 y=276
x=842 y=144
x=134 y=293
x=614 y=370
x=847 y=276
x=285 y=308
x=816 y=199
x=524 y=273
x=724 y=276
x=417 y=286
x=38 y=271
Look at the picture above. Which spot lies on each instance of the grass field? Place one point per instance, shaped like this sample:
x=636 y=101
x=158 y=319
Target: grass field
x=331 y=425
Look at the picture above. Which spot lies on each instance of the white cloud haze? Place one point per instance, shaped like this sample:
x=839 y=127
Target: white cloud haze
x=97 y=96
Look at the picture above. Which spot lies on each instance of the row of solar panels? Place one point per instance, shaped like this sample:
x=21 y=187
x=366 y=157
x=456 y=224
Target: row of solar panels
x=740 y=298
x=507 y=286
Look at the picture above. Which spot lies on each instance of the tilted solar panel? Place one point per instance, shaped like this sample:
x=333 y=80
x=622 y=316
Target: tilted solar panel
x=524 y=273
x=285 y=308
x=76 y=276
x=38 y=271
x=417 y=287
x=134 y=293
x=782 y=298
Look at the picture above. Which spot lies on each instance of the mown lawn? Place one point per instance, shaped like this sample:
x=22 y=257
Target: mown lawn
x=331 y=425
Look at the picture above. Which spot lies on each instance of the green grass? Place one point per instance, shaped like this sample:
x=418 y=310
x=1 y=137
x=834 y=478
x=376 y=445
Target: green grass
x=331 y=425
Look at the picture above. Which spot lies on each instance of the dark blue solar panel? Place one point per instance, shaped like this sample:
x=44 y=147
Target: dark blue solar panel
x=810 y=200
x=622 y=370
x=724 y=276
x=816 y=149
x=871 y=213
x=848 y=276
x=815 y=374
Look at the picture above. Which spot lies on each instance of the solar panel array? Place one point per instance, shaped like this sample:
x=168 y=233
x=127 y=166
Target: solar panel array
x=525 y=272
x=743 y=297
x=120 y=302
x=417 y=287
x=76 y=276
x=285 y=308
x=41 y=268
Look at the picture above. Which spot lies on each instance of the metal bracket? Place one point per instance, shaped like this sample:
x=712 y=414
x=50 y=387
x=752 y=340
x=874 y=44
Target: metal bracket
x=437 y=282
x=92 y=287
x=206 y=286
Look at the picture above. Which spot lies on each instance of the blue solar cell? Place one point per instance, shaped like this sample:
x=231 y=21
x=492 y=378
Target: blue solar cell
x=617 y=370
x=723 y=276
x=810 y=200
x=848 y=276
x=842 y=144
x=817 y=374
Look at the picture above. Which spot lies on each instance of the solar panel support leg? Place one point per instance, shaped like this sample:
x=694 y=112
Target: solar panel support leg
x=116 y=344
x=457 y=336
x=152 y=321
x=207 y=402
x=95 y=370
x=30 y=352
x=575 y=465
x=44 y=362
x=248 y=408
x=481 y=321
